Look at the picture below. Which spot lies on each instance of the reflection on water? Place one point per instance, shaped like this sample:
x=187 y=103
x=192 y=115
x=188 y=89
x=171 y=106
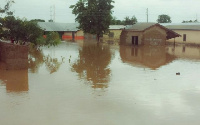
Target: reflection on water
x=185 y=52
x=52 y=64
x=15 y=80
x=37 y=59
x=93 y=64
x=146 y=56
x=56 y=93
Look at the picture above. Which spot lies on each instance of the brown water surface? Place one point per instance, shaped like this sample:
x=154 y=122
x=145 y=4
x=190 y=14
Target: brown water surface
x=87 y=83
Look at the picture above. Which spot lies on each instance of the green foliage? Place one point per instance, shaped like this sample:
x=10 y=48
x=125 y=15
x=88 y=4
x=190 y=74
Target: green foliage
x=130 y=21
x=23 y=31
x=40 y=41
x=94 y=16
x=114 y=21
x=20 y=30
x=7 y=8
x=52 y=39
x=164 y=19
x=127 y=21
x=190 y=21
x=37 y=20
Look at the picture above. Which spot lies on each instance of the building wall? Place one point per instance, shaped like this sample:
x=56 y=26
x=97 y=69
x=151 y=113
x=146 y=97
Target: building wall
x=68 y=33
x=192 y=37
x=89 y=36
x=13 y=56
x=116 y=34
x=77 y=35
x=126 y=37
x=154 y=36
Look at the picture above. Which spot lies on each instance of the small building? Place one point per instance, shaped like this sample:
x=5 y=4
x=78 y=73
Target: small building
x=146 y=34
x=114 y=32
x=66 y=30
x=113 y=36
x=190 y=33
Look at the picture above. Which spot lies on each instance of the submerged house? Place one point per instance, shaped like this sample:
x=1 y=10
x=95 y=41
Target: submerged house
x=146 y=34
x=190 y=32
x=66 y=30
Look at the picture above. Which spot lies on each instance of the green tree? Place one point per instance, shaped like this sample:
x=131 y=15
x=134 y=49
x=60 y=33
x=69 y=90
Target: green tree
x=130 y=21
x=37 y=20
x=190 y=21
x=164 y=19
x=114 y=21
x=94 y=16
x=6 y=8
x=23 y=31
x=20 y=30
x=127 y=21
x=52 y=39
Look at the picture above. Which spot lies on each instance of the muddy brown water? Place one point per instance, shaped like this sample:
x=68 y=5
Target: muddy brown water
x=97 y=84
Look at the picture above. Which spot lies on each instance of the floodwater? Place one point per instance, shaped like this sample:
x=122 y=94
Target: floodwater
x=83 y=83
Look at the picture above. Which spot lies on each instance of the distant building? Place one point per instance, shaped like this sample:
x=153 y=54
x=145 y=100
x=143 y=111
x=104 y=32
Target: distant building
x=146 y=34
x=190 y=33
x=113 y=36
x=66 y=30
x=114 y=32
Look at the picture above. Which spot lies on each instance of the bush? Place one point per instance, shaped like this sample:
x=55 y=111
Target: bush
x=53 y=39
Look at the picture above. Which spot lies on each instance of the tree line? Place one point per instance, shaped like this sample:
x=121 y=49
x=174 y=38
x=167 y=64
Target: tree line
x=127 y=21
x=95 y=16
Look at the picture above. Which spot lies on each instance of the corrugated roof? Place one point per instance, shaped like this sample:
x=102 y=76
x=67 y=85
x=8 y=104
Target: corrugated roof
x=116 y=27
x=167 y=24
x=139 y=26
x=51 y=26
x=183 y=27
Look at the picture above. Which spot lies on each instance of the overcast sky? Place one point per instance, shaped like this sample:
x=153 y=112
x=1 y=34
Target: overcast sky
x=178 y=10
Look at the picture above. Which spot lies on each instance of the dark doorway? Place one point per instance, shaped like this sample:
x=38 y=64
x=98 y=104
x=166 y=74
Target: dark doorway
x=73 y=35
x=134 y=40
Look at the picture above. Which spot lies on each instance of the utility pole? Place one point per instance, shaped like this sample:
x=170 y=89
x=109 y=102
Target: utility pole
x=52 y=13
x=147 y=15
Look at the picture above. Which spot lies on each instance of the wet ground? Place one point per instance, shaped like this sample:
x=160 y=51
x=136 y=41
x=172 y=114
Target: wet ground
x=94 y=84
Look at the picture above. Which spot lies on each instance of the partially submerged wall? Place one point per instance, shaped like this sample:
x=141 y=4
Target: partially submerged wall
x=191 y=37
x=13 y=56
x=154 y=36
